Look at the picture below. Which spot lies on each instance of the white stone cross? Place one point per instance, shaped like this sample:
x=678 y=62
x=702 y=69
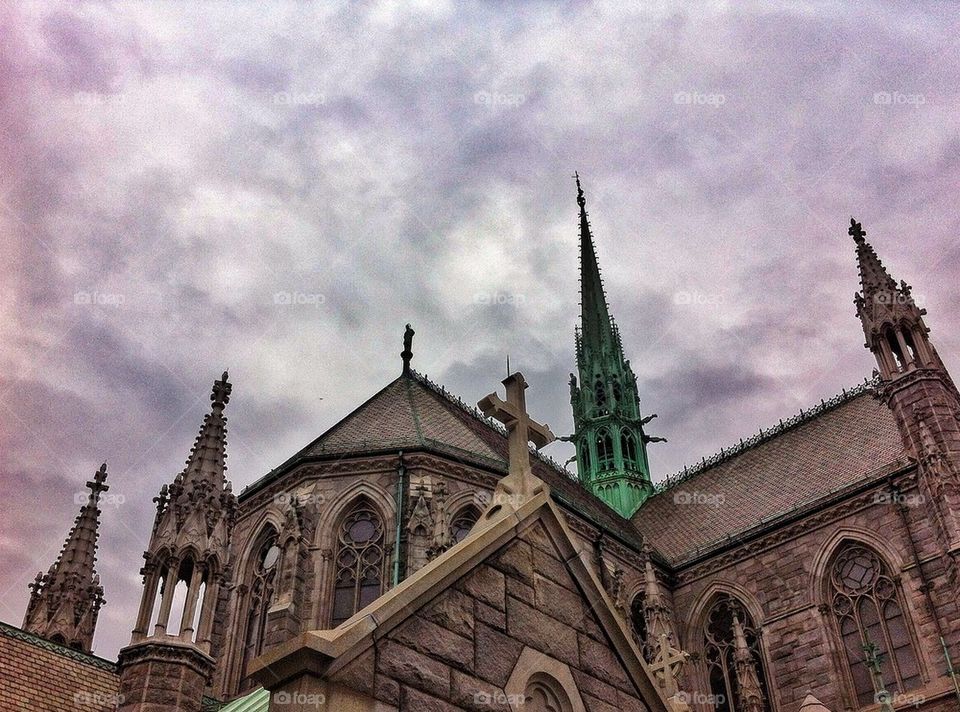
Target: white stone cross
x=521 y=430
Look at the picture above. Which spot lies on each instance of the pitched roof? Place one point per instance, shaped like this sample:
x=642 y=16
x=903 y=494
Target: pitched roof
x=412 y=413
x=36 y=674
x=842 y=442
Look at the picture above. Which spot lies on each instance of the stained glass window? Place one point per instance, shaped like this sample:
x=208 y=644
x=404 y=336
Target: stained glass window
x=866 y=606
x=359 y=562
x=724 y=674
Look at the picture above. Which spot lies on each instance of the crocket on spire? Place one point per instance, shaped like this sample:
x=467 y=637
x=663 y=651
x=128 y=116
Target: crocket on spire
x=65 y=602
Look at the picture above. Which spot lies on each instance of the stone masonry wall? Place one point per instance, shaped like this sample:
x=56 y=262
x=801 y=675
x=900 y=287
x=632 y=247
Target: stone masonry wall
x=458 y=652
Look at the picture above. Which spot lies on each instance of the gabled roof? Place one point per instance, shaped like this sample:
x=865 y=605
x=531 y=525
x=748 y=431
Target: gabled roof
x=412 y=413
x=325 y=652
x=848 y=440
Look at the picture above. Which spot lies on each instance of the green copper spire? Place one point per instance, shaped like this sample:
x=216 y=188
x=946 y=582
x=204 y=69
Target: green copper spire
x=608 y=429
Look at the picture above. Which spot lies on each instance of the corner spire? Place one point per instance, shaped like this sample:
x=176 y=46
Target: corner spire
x=874 y=278
x=65 y=602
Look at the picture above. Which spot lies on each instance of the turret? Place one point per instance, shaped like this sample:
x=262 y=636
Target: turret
x=65 y=601
x=916 y=386
x=188 y=552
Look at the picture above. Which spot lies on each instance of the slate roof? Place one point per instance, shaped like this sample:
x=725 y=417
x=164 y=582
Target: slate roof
x=36 y=674
x=848 y=440
x=412 y=413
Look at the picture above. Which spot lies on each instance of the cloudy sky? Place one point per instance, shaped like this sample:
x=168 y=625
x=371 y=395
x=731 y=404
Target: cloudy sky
x=168 y=168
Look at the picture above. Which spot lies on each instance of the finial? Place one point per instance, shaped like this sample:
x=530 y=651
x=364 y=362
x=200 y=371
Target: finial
x=221 y=391
x=508 y=365
x=98 y=483
x=407 y=353
x=581 y=201
x=856 y=231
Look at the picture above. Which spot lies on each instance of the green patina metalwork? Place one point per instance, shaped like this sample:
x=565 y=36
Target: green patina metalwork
x=608 y=428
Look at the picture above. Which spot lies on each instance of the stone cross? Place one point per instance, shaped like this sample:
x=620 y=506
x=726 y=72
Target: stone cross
x=521 y=430
x=667 y=665
x=874 y=661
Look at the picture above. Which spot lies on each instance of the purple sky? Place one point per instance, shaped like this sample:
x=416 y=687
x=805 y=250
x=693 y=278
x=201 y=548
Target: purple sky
x=167 y=168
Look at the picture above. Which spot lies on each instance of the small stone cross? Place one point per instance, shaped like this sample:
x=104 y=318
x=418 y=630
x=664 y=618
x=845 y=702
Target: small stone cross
x=521 y=430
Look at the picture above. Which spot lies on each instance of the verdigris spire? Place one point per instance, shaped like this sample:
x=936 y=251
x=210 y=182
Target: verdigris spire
x=65 y=602
x=608 y=429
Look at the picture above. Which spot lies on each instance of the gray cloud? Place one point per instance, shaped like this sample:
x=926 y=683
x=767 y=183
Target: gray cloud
x=180 y=165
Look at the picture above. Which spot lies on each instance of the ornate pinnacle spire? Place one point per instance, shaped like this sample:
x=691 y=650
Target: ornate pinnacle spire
x=207 y=461
x=748 y=682
x=597 y=333
x=65 y=601
x=611 y=444
x=874 y=278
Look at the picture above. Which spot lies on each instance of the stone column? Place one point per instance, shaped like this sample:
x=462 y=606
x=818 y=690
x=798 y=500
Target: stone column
x=190 y=605
x=169 y=585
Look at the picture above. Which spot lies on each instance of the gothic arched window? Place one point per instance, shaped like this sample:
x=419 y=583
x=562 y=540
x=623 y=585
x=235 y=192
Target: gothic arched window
x=543 y=694
x=628 y=447
x=638 y=622
x=605 y=460
x=262 y=584
x=600 y=395
x=359 y=561
x=866 y=606
x=732 y=655
x=462 y=523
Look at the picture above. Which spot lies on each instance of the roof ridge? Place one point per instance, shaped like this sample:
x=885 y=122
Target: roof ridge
x=19 y=634
x=764 y=436
x=476 y=414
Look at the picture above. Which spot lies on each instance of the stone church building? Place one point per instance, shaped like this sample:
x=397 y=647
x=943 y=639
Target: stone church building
x=421 y=556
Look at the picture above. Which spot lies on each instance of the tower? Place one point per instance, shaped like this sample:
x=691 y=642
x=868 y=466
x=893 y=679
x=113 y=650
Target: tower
x=915 y=385
x=188 y=554
x=608 y=429
x=65 y=601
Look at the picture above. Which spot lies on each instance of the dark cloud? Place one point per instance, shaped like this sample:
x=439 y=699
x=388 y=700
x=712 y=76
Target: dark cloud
x=279 y=189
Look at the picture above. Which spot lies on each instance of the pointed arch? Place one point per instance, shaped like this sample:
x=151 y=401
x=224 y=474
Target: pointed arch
x=606 y=459
x=359 y=559
x=258 y=579
x=711 y=637
x=860 y=594
x=332 y=512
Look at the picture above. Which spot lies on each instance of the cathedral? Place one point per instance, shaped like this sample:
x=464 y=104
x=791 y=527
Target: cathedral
x=422 y=555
